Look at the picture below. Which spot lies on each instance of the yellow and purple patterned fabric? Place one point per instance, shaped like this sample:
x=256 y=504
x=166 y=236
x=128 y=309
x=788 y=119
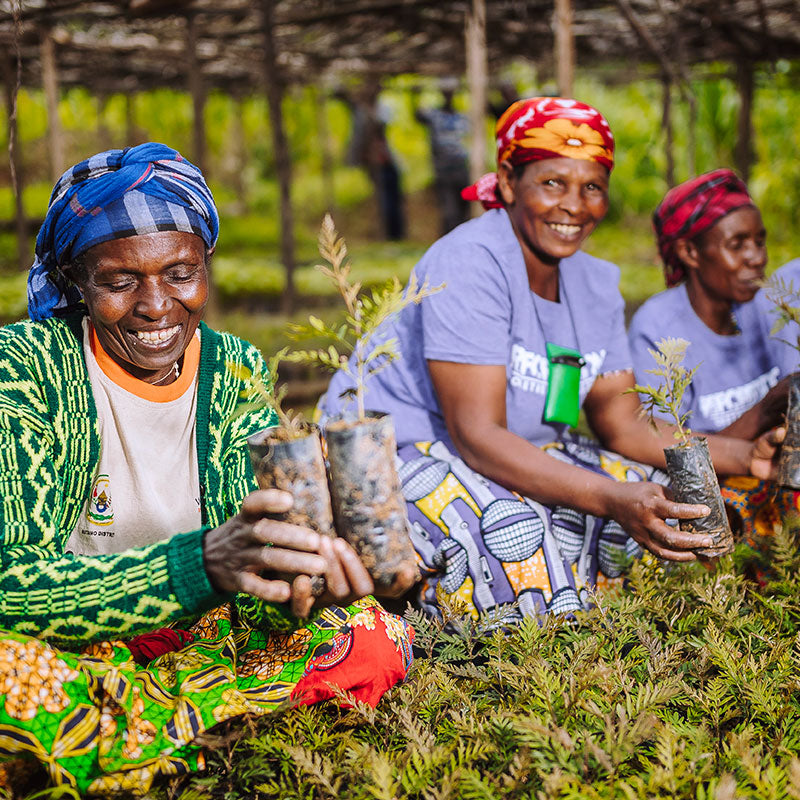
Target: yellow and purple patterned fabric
x=481 y=545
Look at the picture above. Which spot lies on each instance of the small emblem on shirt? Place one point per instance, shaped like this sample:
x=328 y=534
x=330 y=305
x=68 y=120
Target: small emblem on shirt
x=100 y=511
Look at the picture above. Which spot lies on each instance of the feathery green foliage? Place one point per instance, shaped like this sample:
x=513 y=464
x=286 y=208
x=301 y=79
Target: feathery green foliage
x=667 y=397
x=259 y=394
x=364 y=315
x=685 y=686
x=786 y=300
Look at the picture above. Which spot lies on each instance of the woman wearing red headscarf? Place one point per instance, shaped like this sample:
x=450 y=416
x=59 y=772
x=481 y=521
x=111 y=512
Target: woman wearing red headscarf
x=506 y=505
x=712 y=241
x=713 y=244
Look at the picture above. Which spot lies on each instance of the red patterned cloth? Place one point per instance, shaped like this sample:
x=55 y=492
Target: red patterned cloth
x=151 y=645
x=366 y=660
x=692 y=208
x=545 y=127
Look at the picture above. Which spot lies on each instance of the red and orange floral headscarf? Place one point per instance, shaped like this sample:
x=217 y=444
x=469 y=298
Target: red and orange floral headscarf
x=545 y=127
x=691 y=208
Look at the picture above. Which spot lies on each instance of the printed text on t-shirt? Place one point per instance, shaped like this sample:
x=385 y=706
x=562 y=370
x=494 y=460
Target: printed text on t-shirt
x=725 y=406
x=529 y=370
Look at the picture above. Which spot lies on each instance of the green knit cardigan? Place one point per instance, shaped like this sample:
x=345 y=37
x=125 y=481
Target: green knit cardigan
x=49 y=450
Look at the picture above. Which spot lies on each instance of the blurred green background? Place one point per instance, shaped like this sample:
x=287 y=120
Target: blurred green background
x=247 y=270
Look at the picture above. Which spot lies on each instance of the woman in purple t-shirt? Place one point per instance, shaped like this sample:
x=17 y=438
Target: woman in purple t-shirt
x=712 y=241
x=498 y=512
x=713 y=244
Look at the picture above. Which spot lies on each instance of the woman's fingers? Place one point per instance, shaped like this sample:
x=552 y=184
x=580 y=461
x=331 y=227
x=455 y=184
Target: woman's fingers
x=776 y=435
x=675 y=544
x=302 y=596
x=335 y=577
x=278 y=559
x=358 y=579
x=403 y=581
x=272 y=591
x=246 y=552
x=676 y=540
x=643 y=513
x=284 y=534
x=248 y=544
x=346 y=577
x=670 y=555
x=670 y=509
x=265 y=501
x=764 y=452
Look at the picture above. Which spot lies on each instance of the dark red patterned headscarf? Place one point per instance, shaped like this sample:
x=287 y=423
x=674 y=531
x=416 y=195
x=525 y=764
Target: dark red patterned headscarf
x=545 y=127
x=692 y=208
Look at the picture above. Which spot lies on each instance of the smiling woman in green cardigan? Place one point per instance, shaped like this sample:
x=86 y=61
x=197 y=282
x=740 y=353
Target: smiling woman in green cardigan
x=140 y=602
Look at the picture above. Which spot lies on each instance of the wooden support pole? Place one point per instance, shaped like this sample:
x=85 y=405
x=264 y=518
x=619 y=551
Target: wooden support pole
x=326 y=155
x=743 y=153
x=666 y=124
x=239 y=154
x=691 y=145
x=280 y=146
x=55 y=137
x=564 y=47
x=679 y=76
x=11 y=87
x=478 y=85
x=198 y=92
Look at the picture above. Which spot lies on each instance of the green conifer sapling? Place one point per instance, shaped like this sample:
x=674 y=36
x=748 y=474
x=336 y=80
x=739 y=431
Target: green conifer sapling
x=667 y=397
x=364 y=314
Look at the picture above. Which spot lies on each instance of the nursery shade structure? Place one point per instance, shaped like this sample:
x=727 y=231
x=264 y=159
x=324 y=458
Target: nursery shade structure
x=141 y=44
x=242 y=46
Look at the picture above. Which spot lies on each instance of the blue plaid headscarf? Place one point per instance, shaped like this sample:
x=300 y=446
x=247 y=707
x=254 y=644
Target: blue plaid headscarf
x=113 y=195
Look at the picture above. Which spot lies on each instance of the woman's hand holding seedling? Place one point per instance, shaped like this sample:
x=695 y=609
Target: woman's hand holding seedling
x=703 y=522
x=238 y=553
x=249 y=552
x=765 y=452
x=642 y=508
x=348 y=580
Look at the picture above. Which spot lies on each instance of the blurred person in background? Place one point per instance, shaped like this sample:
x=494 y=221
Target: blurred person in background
x=713 y=245
x=447 y=129
x=369 y=148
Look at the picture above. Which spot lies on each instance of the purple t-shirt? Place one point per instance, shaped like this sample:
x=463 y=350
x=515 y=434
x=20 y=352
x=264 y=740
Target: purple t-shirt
x=488 y=315
x=735 y=371
x=786 y=355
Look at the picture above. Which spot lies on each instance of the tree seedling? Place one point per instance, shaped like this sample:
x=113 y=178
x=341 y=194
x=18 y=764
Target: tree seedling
x=667 y=397
x=259 y=394
x=352 y=346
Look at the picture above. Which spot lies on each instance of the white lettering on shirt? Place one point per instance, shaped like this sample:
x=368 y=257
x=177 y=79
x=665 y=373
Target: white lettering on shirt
x=726 y=406
x=529 y=370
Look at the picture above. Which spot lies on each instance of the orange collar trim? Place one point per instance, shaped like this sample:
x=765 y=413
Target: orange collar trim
x=155 y=394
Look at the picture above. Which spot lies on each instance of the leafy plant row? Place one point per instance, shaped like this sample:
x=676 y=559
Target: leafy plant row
x=683 y=686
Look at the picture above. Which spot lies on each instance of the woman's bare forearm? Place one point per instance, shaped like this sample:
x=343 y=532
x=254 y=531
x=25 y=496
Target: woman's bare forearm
x=729 y=455
x=515 y=463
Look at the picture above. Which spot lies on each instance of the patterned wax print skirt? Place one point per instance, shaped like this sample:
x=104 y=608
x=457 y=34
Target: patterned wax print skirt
x=480 y=545
x=757 y=509
x=102 y=723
